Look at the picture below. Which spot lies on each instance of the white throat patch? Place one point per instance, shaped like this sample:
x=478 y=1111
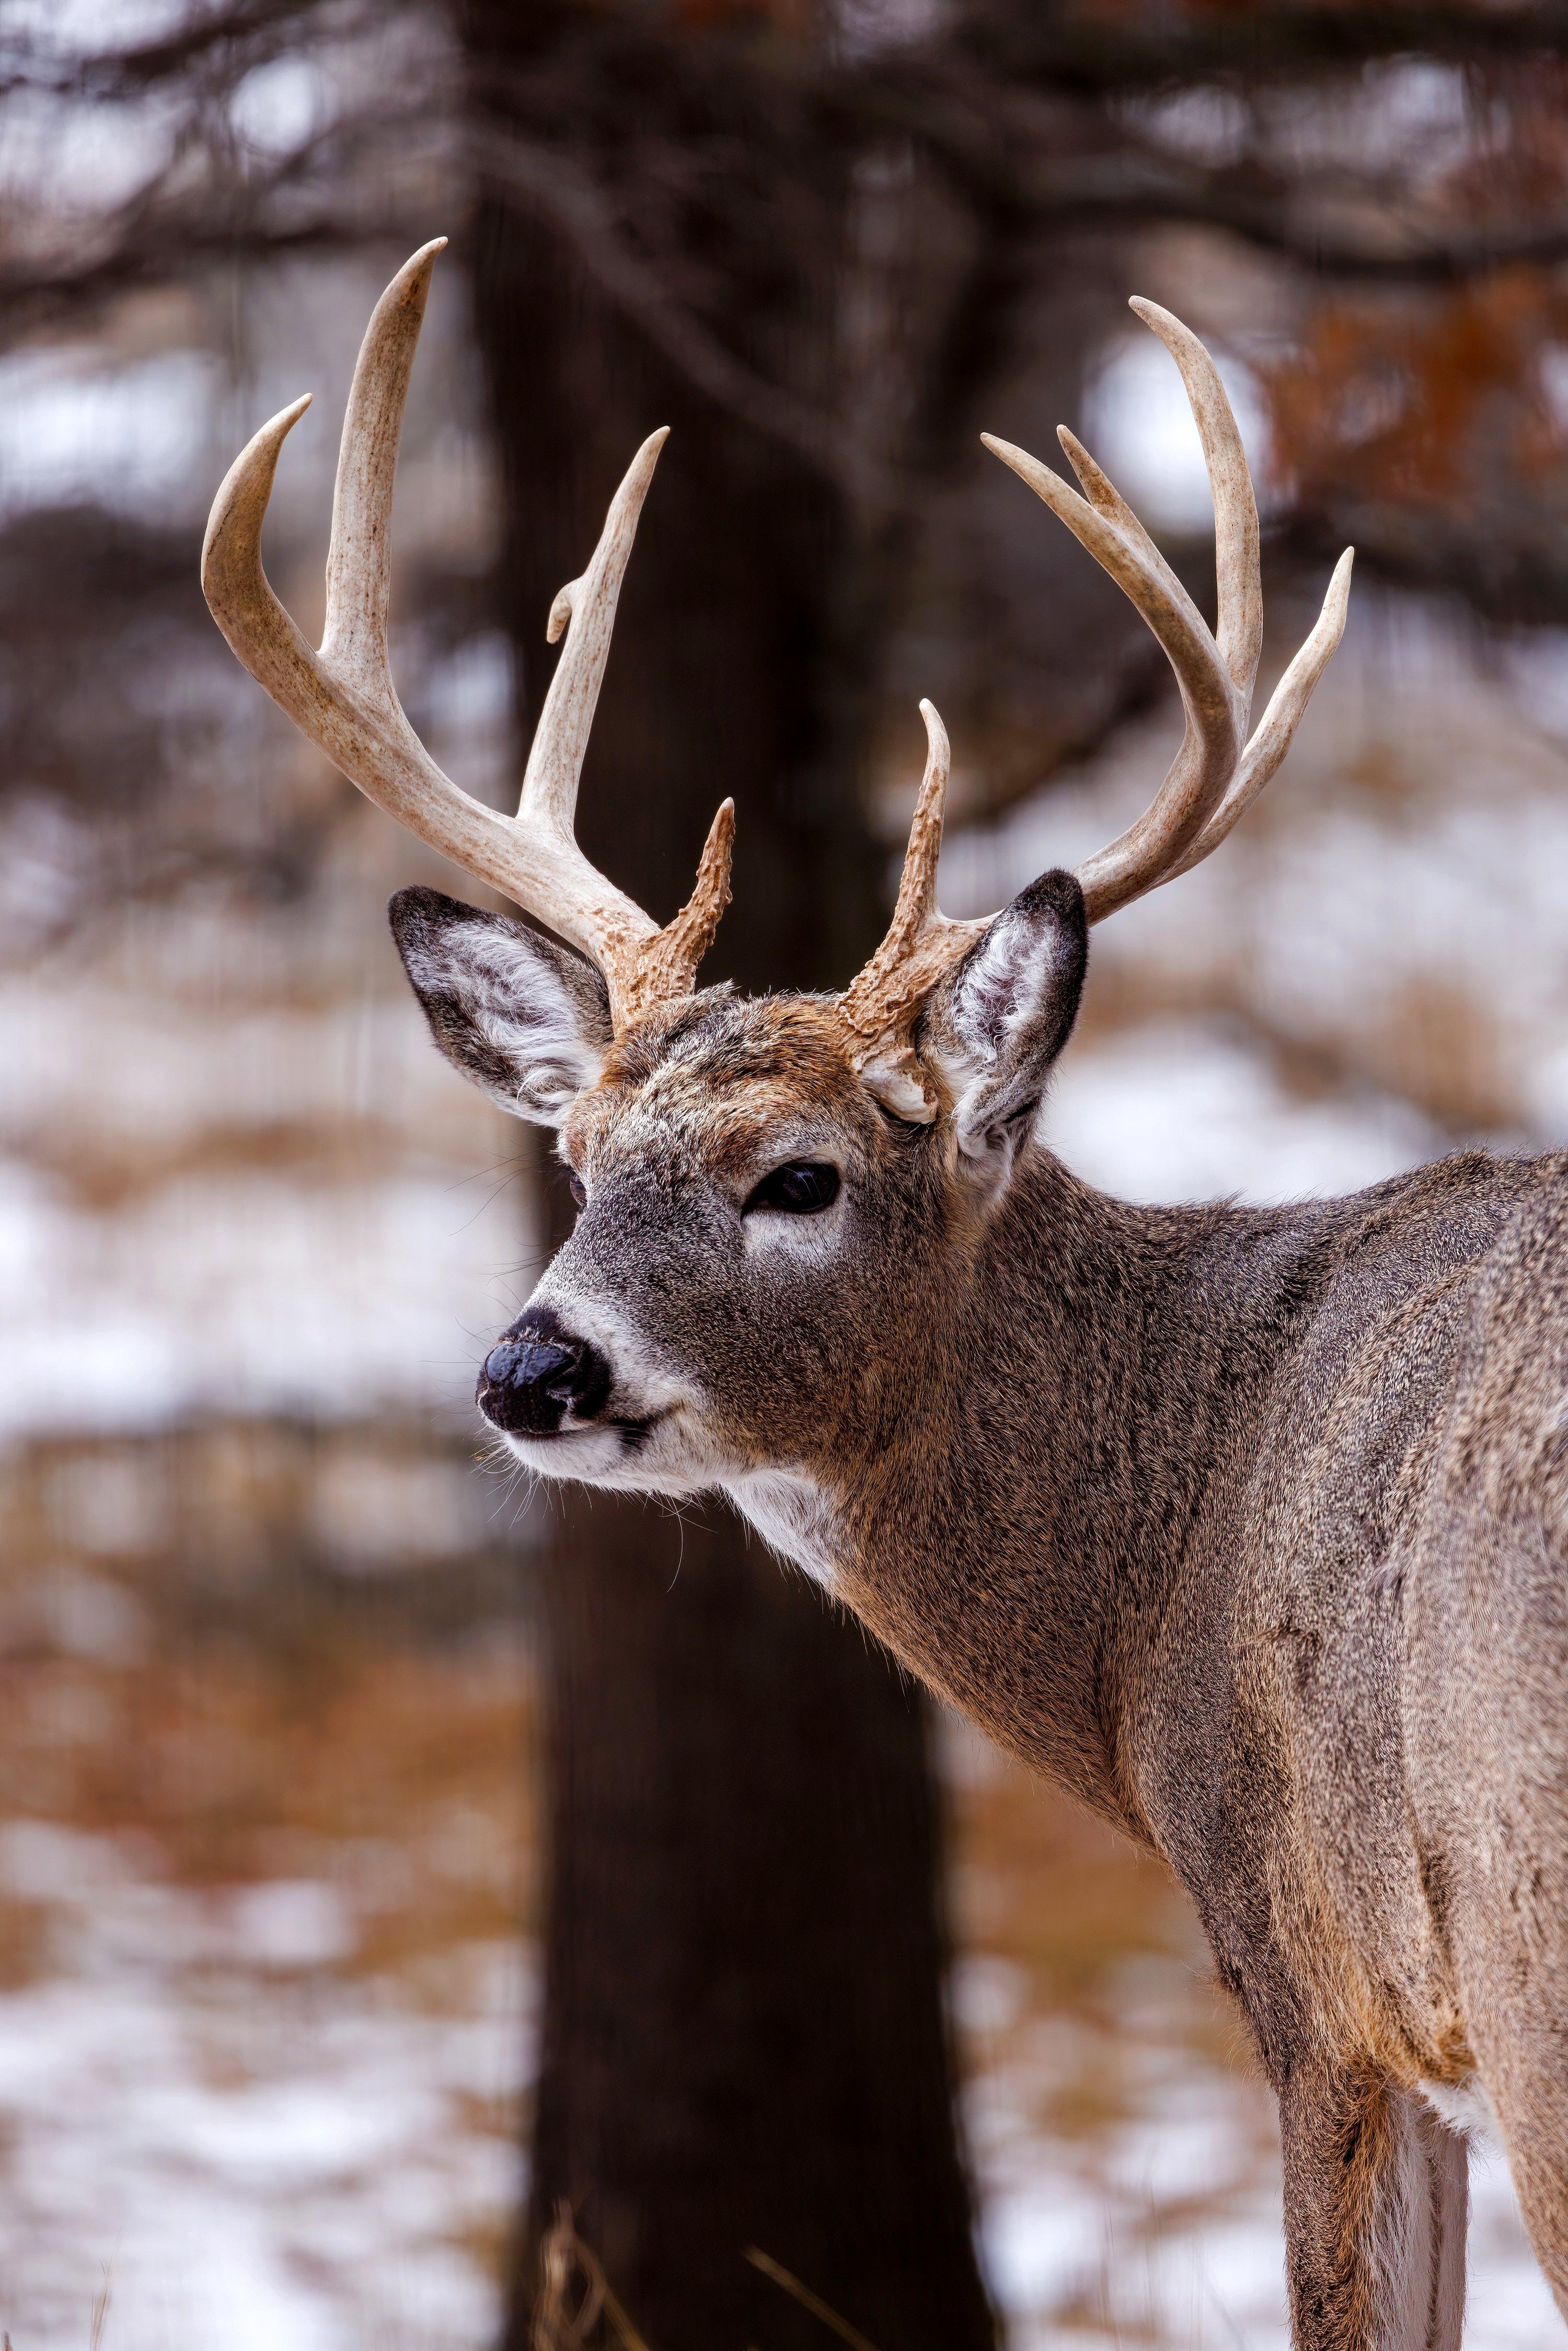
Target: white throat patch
x=794 y=1518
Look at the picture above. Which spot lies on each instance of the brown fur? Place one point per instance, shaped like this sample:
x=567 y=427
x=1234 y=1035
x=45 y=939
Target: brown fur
x=1250 y=1525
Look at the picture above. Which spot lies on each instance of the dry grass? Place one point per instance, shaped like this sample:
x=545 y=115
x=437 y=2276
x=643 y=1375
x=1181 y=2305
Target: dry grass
x=575 y=2296
x=574 y=2293
x=277 y=1721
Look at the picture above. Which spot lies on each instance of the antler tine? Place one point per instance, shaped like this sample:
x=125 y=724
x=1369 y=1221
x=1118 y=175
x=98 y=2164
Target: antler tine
x=585 y=610
x=1215 y=712
x=874 y=999
x=344 y=699
x=1240 y=610
x=920 y=945
x=1165 y=841
x=1271 y=738
x=345 y=703
x=1106 y=498
x=358 y=557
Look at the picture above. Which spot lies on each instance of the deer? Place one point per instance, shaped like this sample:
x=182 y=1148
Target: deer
x=1249 y=1526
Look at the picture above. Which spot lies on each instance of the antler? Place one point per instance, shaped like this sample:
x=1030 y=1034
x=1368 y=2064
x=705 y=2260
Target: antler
x=1215 y=776
x=344 y=699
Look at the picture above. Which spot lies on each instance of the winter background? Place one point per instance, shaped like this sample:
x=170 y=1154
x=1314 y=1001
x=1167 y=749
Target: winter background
x=267 y=1828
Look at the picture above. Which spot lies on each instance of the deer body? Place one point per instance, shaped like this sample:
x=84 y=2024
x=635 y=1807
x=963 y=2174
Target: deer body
x=1165 y=1501
x=1250 y=1527
x=1168 y=1536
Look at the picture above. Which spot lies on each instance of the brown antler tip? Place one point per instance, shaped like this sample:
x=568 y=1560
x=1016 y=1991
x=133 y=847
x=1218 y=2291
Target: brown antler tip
x=713 y=889
x=692 y=932
x=660 y=969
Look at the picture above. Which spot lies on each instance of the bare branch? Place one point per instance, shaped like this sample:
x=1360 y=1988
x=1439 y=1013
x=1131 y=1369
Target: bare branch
x=1097 y=53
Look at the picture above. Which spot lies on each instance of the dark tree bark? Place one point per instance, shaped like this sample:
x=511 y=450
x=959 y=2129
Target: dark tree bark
x=744 y=2042
x=743 y=2037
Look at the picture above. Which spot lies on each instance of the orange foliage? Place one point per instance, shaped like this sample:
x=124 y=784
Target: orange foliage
x=1423 y=404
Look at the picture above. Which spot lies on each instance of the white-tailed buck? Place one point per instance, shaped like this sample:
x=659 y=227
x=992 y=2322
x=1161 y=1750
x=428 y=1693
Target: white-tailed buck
x=1251 y=1526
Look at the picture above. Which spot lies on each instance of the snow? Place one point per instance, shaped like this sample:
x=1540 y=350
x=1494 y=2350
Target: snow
x=1167 y=2227
x=368 y=1276
x=1178 y=1110
x=243 y=2148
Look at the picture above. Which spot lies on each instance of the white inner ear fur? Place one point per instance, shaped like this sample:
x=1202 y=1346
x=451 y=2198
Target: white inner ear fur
x=987 y=1046
x=556 y=1062
x=1003 y=988
x=524 y=1011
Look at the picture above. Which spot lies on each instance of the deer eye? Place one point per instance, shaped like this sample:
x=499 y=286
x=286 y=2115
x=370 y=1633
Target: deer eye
x=802 y=1187
x=577 y=1188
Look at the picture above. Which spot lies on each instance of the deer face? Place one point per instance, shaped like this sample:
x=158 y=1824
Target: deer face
x=761 y=1240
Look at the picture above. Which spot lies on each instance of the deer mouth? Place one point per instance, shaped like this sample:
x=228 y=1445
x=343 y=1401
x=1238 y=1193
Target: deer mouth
x=619 y=1450
x=632 y=1434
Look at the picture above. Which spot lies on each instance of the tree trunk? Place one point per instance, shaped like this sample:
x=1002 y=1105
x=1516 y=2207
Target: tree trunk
x=744 y=2041
x=744 y=2037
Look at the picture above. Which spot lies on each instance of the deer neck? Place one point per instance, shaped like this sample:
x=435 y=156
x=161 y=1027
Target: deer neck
x=1015 y=1532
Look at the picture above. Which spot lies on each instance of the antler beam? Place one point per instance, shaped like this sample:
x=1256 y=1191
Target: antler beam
x=1219 y=769
x=343 y=697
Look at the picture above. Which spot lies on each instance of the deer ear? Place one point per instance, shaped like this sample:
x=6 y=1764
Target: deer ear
x=997 y=1026
x=527 y=1021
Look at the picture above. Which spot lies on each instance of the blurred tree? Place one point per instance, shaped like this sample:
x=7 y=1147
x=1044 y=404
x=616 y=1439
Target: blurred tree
x=744 y=2040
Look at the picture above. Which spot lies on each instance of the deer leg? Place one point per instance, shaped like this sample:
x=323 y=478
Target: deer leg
x=1535 y=2133
x=1376 y=2195
x=1517 y=1999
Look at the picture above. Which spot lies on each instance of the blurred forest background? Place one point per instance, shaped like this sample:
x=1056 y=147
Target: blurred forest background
x=387 y=1851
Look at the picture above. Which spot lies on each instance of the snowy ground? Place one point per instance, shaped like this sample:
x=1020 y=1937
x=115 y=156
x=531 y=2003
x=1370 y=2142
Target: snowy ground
x=211 y=2112
x=200 y=2120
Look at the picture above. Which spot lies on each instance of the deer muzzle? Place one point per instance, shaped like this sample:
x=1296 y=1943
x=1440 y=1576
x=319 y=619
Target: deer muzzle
x=537 y=1373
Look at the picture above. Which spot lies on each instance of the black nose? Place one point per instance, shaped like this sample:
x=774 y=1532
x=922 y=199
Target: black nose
x=538 y=1371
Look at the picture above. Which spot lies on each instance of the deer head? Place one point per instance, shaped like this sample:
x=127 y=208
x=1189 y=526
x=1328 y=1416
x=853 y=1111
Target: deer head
x=777 y=1196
